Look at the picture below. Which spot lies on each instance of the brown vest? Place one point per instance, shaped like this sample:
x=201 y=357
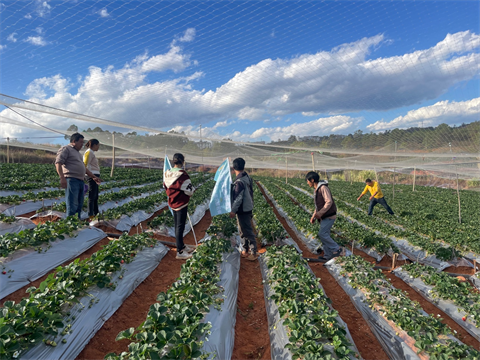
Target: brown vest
x=320 y=202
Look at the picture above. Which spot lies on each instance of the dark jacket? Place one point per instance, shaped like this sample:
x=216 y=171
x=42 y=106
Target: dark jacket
x=179 y=188
x=242 y=194
x=324 y=204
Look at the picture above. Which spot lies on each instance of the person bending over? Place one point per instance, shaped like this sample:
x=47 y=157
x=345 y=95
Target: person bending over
x=376 y=196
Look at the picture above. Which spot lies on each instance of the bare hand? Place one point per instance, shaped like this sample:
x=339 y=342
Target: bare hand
x=371 y=197
x=312 y=219
x=97 y=180
x=63 y=183
x=232 y=215
x=358 y=199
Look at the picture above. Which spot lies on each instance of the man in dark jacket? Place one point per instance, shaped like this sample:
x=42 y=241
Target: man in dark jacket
x=242 y=207
x=325 y=213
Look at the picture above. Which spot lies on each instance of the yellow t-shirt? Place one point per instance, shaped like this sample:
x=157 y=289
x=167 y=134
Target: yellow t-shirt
x=373 y=189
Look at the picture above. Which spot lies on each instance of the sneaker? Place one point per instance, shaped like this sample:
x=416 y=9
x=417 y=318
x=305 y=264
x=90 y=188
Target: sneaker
x=334 y=255
x=252 y=257
x=188 y=249
x=183 y=256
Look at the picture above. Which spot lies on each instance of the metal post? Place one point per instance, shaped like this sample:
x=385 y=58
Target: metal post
x=149 y=163
x=393 y=188
x=414 y=176
x=201 y=147
x=458 y=195
x=313 y=162
x=8 y=150
x=286 y=175
x=113 y=155
x=376 y=175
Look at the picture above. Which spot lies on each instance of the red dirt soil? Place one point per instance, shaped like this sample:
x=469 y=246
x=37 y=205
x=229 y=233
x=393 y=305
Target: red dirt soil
x=252 y=340
x=464 y=270
x=367 y=344
x=135 y=308
x=462 y=334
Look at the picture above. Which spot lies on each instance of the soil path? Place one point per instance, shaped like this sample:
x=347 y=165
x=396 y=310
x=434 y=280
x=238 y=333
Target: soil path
x=462 y=334
x=366 y=342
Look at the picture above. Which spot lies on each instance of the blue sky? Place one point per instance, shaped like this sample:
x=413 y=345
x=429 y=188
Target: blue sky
x=248 y=70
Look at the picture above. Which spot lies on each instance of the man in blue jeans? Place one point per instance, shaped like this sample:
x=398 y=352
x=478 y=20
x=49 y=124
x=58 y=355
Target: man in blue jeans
x=325 y=213
x=71 y=169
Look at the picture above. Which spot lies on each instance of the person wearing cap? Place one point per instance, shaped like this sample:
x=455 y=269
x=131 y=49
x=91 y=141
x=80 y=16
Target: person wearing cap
x=71 y=170
x=376 y=196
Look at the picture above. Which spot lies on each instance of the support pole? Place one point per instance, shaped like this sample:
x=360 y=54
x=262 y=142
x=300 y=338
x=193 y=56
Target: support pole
x=286 y=175
x=376 y=175
x=313 y=162
x=414 y=176
x=458 y=195
x=326 y=176
x=8 y=150
x=149 y=163
x=113 y=155
x=393 y=188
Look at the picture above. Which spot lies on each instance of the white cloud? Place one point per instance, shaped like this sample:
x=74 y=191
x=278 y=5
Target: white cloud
x=2 y=47
x=104 y=13
x=28 y=16
x=345 y=79
x=39 y=30
x=173 y=60
x=36 y=40
x=451 y=113
x=188 y=35
x=12 y=37
x=42 y=8
x=272 y=34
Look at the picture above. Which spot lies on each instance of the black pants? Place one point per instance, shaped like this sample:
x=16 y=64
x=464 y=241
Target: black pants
x=180 y=218
x=245 y=228
x=382 y=202
x=92 y=197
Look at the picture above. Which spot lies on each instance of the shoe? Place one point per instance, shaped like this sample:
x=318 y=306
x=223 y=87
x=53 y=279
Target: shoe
x=334 y=255
x=188 y=249
x=183 y=256
x=252 y=257
x=244 y=254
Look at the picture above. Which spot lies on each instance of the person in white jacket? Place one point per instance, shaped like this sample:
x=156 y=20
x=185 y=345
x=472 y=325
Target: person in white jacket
x=91 y=163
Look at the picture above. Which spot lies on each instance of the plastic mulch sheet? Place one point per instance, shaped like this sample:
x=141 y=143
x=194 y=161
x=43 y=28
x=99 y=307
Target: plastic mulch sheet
x=28 y=265
x=446 y=306
x=396 y=346
x=197 y=215
x=310 y=242
x=89 y=320
x=221 y=340
x=18 y=225
x=475 y=280
x=278 y=332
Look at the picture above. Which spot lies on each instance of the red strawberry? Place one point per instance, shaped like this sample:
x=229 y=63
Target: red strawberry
x=464 y=318
x=4 y=272
x=132 y=255
x=121 y=262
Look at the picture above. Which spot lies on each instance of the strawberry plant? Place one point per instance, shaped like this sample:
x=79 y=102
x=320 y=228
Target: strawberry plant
x=173 y=328
x=446 y=287
x=311 y=323
x=42 y=234
x=39 y=316
x=431 y=336
x=268 y=226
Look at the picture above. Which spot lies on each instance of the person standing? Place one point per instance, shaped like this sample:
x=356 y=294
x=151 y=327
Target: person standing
x=71 y=170
x=179 y=188
x=376 y=196
x=325 y=213
x=91 y=163
x=242 y=207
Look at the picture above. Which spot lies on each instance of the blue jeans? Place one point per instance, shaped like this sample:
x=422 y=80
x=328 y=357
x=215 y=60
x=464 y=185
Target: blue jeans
x=74 y=196
x=329 y=245
x=380 y=201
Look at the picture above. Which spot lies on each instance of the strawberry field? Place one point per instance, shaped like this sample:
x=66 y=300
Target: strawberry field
x=405 y=287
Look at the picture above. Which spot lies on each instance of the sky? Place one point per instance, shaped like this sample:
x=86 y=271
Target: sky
x=244 y=70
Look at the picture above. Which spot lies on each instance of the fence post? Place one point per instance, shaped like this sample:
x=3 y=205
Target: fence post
x=113 y=155
x=458 y=195
x=8 y=150
x=313 y=162
x=393 y=188
x=286 y=175
x=414 y=176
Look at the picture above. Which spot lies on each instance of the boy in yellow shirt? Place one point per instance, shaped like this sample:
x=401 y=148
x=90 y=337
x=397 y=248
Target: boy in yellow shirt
x=376 y=198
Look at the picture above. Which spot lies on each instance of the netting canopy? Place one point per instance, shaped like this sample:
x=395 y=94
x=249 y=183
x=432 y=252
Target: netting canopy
x=284 y=84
